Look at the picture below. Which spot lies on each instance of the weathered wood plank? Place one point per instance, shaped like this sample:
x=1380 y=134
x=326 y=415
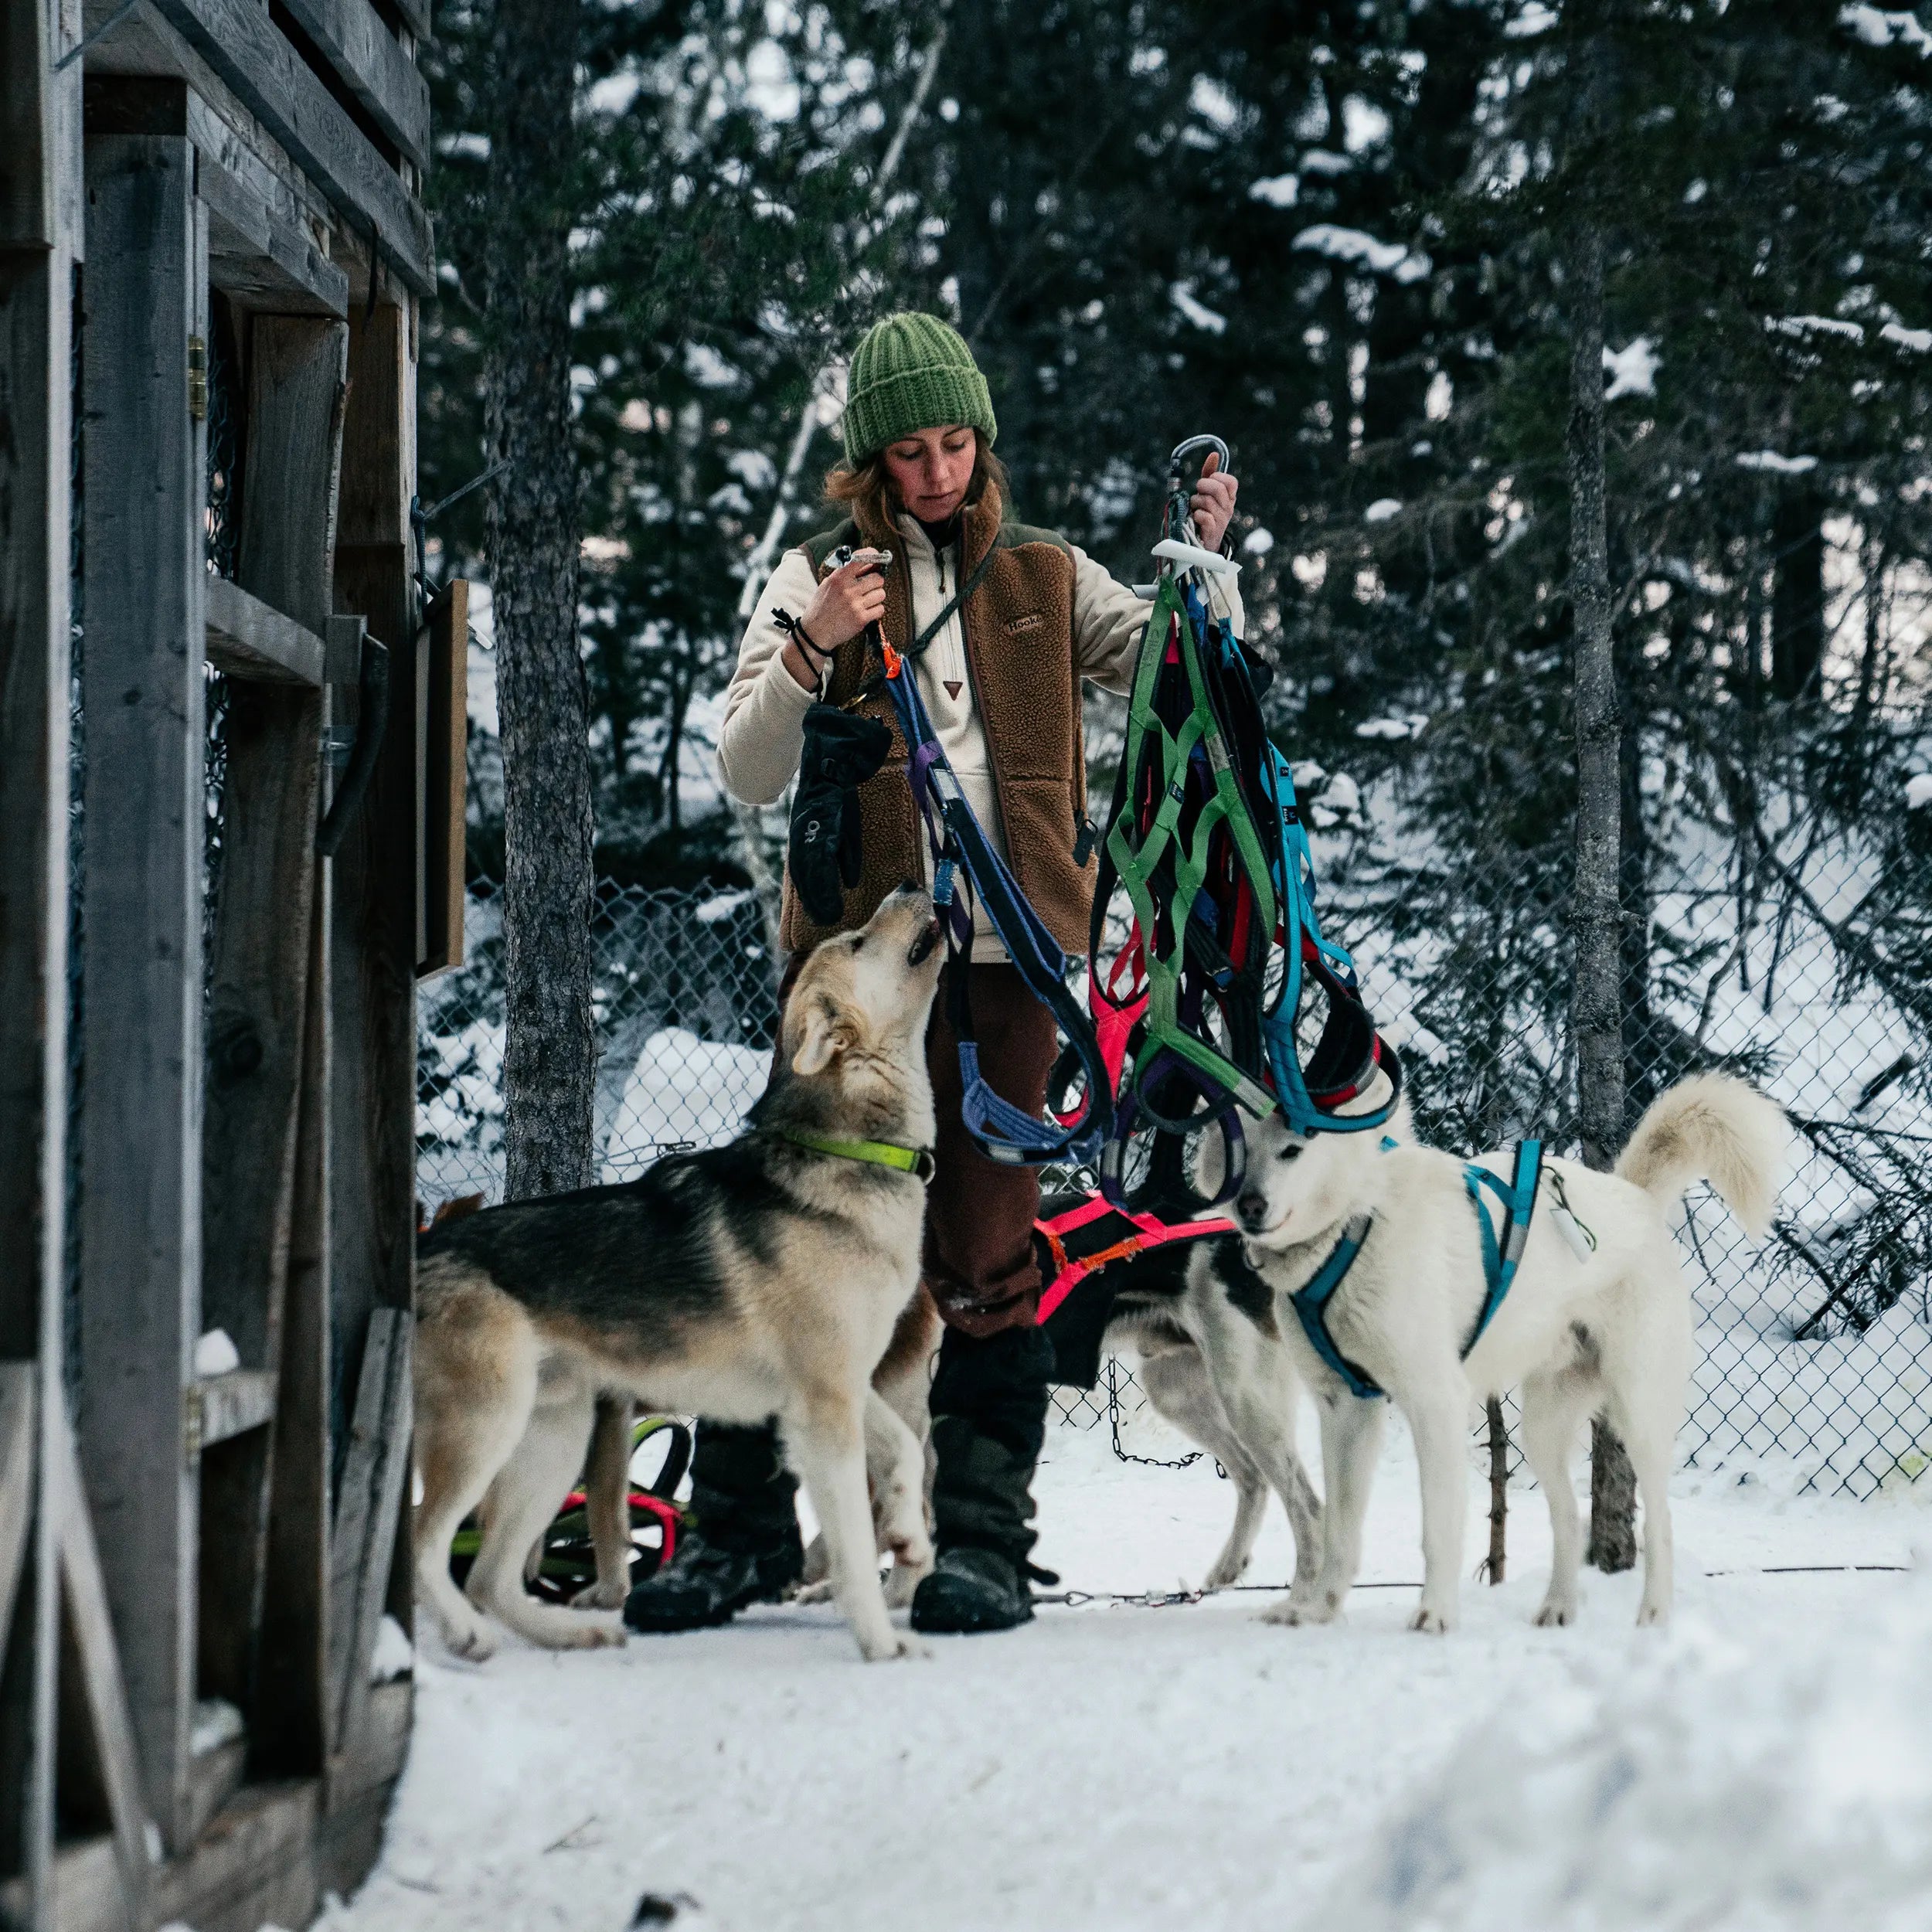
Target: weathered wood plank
x=40 y=238
x=104 y=1691
x=416 y=16
x=253 y=641
x=373 y=1011
x=255 y=1865
x=445 y=767
x=364 y=1541
x=261 y=965
x=289 y=1717
x=141 y=1217
x=264 y=239
x=231 y=1405
x=350 y=37
x=19 y=1481
x=240 y=42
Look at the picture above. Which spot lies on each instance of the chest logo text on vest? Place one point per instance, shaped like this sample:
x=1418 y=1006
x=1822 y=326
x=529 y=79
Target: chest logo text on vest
x=1030 y=621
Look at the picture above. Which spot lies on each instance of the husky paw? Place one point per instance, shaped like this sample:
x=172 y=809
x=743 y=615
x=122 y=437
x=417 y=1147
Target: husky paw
x=1224 y=1574
x=598 y=1630
x=818 y=1591
x=903 y=1579
x=900 y=1643
x=1432 y=1623
x=1555 y=1616
x=1652 y=1616
x=601 y=1596
x=472 y=1640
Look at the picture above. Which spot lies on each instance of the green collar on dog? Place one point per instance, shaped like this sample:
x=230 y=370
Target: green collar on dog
x=907 y=1160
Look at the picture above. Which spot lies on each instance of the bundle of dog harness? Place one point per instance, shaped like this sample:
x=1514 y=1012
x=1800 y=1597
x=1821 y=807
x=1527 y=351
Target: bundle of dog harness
x=1517 y=1197
x=965 y=859
x=1205 y=834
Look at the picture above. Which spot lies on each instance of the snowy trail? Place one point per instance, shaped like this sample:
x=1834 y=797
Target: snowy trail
x=1111 y=1767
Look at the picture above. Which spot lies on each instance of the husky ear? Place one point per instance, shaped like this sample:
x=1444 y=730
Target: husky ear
x=823 y=1036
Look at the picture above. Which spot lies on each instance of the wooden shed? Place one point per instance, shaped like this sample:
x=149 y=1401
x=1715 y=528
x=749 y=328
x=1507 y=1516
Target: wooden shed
x=222 y=867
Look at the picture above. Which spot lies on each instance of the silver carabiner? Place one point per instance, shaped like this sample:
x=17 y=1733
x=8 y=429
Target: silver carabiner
x=1188 y=448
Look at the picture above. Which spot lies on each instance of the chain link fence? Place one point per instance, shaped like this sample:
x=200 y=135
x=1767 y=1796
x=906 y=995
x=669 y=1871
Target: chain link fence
x=1793 y=970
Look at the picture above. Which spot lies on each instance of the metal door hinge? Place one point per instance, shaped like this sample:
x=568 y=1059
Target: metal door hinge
x=198 y=379
x=191 y=1423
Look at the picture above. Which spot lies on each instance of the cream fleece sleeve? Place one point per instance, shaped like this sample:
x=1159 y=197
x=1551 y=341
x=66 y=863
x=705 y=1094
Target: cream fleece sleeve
x=1109 y=621
x=763 y=730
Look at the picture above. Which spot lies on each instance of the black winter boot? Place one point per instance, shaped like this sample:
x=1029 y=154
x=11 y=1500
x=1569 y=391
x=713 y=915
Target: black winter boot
x=989 y=1420
x=741 y=1545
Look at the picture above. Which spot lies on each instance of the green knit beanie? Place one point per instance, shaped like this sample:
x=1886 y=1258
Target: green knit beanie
x=912 y=372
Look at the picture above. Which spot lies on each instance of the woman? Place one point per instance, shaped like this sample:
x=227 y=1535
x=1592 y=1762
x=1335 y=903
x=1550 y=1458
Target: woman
x=1001 y=677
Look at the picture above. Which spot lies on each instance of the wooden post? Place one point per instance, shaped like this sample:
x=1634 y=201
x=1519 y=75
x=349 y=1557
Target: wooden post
x=146 y=303
x=40 y=245
x=259 y=971
x=372 y=1155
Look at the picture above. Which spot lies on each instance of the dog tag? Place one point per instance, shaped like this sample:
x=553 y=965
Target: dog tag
x=943 y=883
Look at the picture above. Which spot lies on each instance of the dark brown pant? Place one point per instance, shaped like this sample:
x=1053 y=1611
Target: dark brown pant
x=980 y=1213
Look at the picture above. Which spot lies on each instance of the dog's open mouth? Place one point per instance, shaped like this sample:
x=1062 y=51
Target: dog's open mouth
x=921 y=949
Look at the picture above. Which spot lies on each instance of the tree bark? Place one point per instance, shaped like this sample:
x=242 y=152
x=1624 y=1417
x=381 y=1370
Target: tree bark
x=1797 y=591
x=549 y=1056
x=1595 y=918
x=1497 y=1561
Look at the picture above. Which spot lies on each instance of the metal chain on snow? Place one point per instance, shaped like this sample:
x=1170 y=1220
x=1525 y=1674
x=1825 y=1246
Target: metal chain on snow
x=1113 y=1422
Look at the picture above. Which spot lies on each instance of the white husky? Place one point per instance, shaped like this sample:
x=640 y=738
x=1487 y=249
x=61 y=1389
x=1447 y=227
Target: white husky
x=1608 y=1331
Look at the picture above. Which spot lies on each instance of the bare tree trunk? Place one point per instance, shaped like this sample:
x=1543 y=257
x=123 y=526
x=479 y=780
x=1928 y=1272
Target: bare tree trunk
x=1595 y=915
x=1497 y=1560
x=549 y=1056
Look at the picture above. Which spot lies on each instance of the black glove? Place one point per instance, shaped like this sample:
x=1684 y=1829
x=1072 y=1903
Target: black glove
x=842 y=752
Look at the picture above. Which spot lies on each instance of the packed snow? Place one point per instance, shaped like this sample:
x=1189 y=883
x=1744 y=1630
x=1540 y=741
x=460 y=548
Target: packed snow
x=1718 y=1782
x=1141 y=1768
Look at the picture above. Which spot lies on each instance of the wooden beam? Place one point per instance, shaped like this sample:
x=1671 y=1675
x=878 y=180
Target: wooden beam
x=142 y=686
x=373 y=1154
x=253 y=641
x=350 y=37
x=19 y=1481
x=445 y=730
x=288 y=1719
x=40 y=244
x=261 y=963
x=255 y=1865
x=84 y=1596
x=239 y=41
x=233 y=1404
x=265 y=241
x=364 y=1539
x=416 y=17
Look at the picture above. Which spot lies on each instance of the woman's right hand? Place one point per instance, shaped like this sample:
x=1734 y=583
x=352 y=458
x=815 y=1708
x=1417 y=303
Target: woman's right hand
x=845 y=602
x=852 y=597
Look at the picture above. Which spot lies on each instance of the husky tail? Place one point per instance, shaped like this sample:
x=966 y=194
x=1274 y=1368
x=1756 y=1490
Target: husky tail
x=1712 y=1127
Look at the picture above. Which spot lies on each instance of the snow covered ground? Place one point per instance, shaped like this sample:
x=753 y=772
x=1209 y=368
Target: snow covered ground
x=1188 y=1768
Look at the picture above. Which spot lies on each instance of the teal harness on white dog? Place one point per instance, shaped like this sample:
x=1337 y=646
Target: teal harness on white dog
x=1500 y=1260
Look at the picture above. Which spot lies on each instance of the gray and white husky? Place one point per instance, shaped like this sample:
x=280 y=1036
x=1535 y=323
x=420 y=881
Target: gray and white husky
x=764 y=1278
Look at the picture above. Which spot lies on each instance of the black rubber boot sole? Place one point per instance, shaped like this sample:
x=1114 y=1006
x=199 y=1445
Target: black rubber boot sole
x=971 y=1593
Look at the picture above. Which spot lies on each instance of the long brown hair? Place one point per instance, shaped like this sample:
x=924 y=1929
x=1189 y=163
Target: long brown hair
x=865 y=490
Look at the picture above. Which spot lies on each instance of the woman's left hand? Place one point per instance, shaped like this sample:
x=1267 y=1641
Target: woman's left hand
x=1212 y=503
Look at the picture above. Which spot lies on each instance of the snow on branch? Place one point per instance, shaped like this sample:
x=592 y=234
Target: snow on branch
x=1770 y=460
x=1351 y=245
x=1633 y=370
x=1803 y=326
x=1877 y=28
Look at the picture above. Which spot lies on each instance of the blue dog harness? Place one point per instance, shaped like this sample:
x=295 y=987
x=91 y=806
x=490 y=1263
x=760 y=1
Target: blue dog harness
x=1500 y=1261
